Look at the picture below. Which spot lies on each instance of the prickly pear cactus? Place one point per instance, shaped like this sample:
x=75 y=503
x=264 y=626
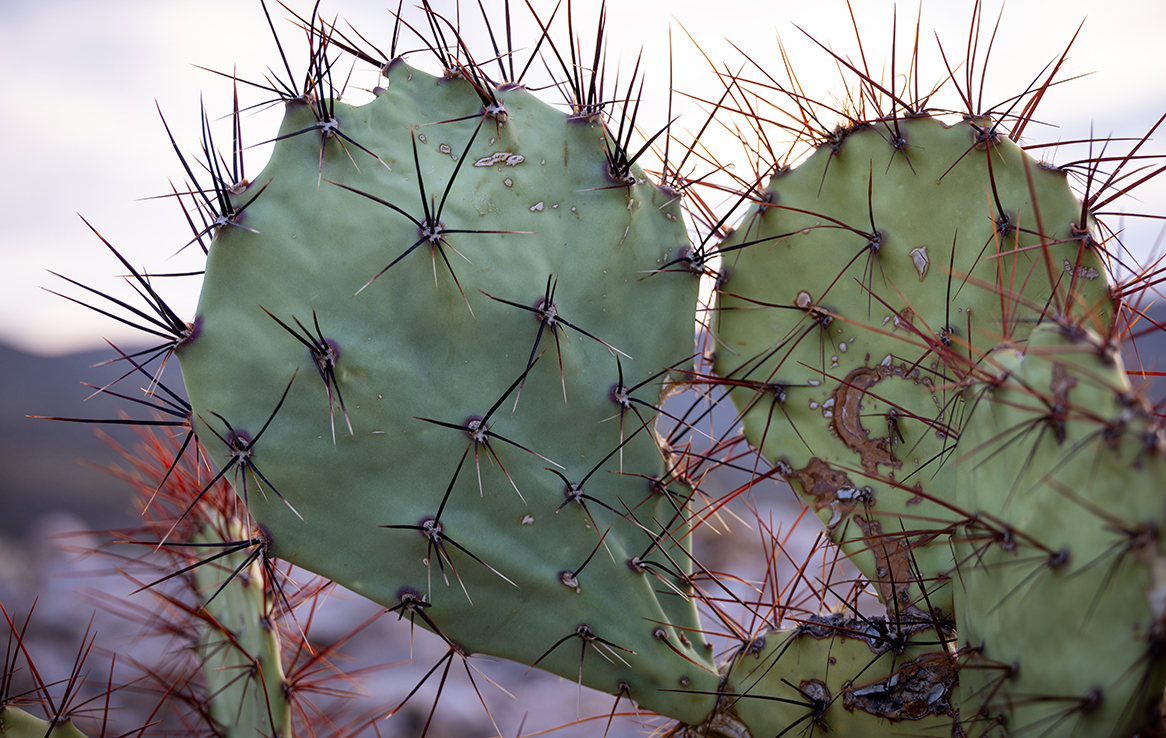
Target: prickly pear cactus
x=1063 y=471
x=846 y=675
x=16 y=723
x=435 y=337
x=860 y=292
x=431 y=352
x=238 y=648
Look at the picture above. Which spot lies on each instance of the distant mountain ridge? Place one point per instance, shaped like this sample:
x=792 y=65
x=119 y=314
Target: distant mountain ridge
x=46 y=465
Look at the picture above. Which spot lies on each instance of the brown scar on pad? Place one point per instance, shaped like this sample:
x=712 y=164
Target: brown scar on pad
x=892 y=558
x=829 y=488
x=916 y=690
x=847 y=420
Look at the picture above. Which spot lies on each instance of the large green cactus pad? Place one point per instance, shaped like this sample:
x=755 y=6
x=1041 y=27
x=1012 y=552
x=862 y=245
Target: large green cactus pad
x=1062 y=570
x=877 y=273
x=441 y=337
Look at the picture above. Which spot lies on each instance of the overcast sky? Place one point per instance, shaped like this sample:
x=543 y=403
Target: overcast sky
x=82 y=134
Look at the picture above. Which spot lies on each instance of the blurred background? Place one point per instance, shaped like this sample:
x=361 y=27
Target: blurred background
x=83 y=137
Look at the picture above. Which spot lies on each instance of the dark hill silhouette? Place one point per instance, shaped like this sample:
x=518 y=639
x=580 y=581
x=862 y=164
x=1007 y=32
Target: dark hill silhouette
x=47 y=465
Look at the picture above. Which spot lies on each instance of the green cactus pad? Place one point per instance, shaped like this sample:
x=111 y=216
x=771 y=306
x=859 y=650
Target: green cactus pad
x=16 y=723
x=238 y=648
x=838 y=676
x=468 y=530
x=1062 y=573
x=877 y=273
